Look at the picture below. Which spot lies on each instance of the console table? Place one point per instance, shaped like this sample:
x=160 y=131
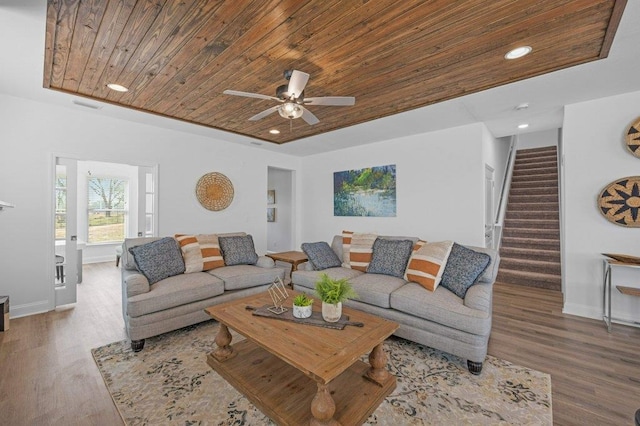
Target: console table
x=293 y=257
x=609 y=264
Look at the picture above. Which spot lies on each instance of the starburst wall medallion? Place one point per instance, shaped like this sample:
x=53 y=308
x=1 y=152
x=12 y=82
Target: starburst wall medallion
x=619 y=202
x=633 y=138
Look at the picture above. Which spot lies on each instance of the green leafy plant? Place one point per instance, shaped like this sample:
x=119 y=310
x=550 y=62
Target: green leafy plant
x=302 y=300
x=334 y=291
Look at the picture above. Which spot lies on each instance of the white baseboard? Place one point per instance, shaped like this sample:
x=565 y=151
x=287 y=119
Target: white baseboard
x=27 y=309
x=582 y=311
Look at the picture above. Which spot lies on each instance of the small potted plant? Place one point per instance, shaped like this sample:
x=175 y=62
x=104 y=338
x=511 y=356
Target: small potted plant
x=302 y=306
x=333 y=293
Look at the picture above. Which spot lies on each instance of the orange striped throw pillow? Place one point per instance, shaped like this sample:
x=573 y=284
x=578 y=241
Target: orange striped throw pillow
x=427 y=263
x=346 y=245
x=361 y=251
x=200 y=252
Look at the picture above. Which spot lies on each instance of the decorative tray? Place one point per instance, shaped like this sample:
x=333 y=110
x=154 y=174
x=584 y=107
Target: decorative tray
x=314 y=319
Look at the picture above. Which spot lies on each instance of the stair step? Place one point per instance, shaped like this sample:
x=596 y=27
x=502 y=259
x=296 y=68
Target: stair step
x=536 y=152
x=533 y=207
x=535 y=178
x=533 y=243
x=550 y=185
x=538 y=149
x=537 y=266
x=530 y=279
x=532 y=223
x=528 y=253
x=539 y=233
x=524 y=214
x=530 y=164
x=533 y=171
x=534 y=198
x=541 y=190
x=537 y=156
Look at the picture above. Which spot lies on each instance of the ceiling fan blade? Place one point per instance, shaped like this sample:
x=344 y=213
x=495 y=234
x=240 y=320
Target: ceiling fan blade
x=331 y=100
x=297 y=83
x=264 y=113
x=309 y=117
x=250 y=95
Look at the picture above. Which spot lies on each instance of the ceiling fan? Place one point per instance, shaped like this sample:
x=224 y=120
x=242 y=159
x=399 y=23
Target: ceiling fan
x=292 y=100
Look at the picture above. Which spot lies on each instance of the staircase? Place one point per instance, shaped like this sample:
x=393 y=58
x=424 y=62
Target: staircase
x=530 y=249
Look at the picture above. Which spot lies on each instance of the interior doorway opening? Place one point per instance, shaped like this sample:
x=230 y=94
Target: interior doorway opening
x=280 y=210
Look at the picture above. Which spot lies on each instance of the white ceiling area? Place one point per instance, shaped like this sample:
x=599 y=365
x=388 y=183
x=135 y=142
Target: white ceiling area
x=22 y=27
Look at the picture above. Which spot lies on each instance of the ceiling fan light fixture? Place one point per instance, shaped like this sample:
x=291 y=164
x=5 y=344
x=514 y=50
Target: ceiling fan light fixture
x=518 y=52
x=290 y=110
x=117 y=87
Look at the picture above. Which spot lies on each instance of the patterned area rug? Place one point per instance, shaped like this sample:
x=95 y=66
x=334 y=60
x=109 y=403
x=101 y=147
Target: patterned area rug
x=170 y=383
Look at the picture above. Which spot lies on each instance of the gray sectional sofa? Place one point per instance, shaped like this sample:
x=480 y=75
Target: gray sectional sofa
x=178 y=301
x=438 y=319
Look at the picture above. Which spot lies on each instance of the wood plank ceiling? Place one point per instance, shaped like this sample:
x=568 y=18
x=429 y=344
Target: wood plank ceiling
x=177 y=57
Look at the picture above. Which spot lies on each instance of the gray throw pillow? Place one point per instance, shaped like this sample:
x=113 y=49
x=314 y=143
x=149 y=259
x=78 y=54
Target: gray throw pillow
x=463 y=268
x=238 y=250
x=321 y=255
x=159 y=259
x=390 y=257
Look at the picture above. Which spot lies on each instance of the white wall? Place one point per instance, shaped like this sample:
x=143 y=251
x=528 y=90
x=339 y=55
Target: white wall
x=538 y=139
x=595 y=155
x=280 y=232
x=32 y=133
x=439 y=188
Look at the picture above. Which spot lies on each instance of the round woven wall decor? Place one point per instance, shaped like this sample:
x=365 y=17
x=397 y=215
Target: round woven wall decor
x=214 y=191
x=619 y=202
x=633 y=138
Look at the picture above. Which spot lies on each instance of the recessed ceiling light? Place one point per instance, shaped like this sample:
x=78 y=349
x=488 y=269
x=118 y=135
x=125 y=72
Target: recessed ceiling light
x=274 y=131
x=117 y=87
x=518 y=52
x=523 y=126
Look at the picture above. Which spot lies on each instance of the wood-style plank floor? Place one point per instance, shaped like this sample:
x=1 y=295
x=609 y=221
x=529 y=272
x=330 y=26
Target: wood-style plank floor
x=48 y=377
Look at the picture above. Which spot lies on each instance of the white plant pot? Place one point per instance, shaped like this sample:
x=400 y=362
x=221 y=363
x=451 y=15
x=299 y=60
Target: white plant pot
x=331 y=312
x=302 y=311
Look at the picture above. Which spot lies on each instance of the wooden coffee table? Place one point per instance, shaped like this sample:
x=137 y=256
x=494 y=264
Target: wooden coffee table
x=302 y=374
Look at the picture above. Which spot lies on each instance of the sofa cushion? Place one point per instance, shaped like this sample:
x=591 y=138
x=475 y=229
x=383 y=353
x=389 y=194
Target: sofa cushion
x=321 y=255
x=238 y=250
x=200 y=252
x=128 y=262
x=427 y=264
x=308 y=279
x=175 y=291
x=375 y=289
x=463 y=268
x=159 y=259
x=390 y=257
x=245 y=276
x=361 y=251
x=441 y=306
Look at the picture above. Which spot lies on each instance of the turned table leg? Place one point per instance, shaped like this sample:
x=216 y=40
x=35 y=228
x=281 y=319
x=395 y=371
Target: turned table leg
x=378 y=360
x=224 y=351
x=323 y=407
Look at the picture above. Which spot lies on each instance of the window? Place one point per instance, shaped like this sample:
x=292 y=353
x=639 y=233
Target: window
x=61 y=203
x=107 y=212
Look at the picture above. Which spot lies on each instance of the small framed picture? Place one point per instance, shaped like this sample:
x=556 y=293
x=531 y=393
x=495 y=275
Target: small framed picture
x=271 y=196
x=271 y=214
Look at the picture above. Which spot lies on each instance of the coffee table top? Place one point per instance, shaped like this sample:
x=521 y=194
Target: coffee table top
x=320 y=353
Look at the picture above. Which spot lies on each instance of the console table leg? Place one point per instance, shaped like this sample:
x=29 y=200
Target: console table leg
x=378 y=360
x=224 y=351
x=323 y=407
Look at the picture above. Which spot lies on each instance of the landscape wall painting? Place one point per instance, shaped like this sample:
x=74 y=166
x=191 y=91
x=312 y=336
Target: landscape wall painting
x=365 y=192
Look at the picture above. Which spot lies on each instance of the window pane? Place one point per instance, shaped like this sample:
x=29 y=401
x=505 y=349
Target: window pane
x=107 y=209
x=149 y=203
x=149 y=225
x=149 y=182
x=60 y=228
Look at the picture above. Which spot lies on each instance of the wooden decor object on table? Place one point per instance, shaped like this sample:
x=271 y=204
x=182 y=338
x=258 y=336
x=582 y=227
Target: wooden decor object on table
x=619 y=202
x=214 y=191
x=633 y=138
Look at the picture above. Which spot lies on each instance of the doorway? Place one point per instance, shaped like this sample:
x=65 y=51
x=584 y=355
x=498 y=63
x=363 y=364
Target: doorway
x=280 y=210
x=97 y=205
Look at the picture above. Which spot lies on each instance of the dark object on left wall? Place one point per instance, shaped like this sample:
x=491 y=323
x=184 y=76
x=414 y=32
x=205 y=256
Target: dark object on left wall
x=4 y=309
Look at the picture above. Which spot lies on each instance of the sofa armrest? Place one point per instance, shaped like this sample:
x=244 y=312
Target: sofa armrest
x=135 y=283
x=479 y=297
x=265 y=262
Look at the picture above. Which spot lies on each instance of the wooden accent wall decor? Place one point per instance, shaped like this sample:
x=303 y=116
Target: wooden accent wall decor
x=177 y=57
x=619 y=202
x=214 y=191
x=633 y=138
